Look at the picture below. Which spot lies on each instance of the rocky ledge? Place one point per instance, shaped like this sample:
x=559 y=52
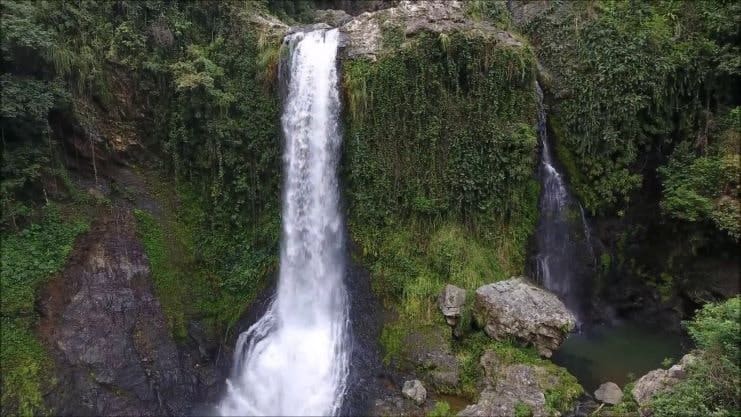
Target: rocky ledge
x=514 y=308
x=364 y=34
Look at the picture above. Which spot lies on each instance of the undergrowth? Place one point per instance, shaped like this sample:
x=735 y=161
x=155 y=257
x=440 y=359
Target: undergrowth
x=29 y=258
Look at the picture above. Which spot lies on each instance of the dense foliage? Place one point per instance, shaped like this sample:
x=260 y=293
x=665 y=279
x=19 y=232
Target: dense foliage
x=440 y=152
x=636 y=79
x=168 y=69
x=29 y=258
x=712 y=386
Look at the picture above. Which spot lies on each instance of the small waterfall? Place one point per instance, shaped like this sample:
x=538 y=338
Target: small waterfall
x=563 y=236
x=294 y=360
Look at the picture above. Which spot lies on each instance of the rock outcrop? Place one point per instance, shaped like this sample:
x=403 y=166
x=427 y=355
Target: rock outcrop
x=364 y=34
x=108 y=335
x=609 y=393
x=511 y=386
x=451 y=303
x=659 y=380
x=415 y=391
x=531 y=314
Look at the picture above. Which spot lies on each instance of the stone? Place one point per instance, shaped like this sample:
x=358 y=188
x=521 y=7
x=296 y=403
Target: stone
x=109 y=338
x=515 y=308
x=507 y=386
x=415 y=391
x=429 y=348
x=451 y=303
x=609 y=393
x=659 y=380
x=333 y=18
x=363 y=35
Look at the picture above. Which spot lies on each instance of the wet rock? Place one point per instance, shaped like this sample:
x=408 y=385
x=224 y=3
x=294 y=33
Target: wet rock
x=609 y=393
x=531 y=314
x=657 y=381
x=429 y=349
x=415 y=391
x=451 y=303
x=107 y=333
x=364 y=33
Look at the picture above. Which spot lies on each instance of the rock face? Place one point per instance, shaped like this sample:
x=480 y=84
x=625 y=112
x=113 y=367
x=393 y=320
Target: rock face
x=451 y=303
x=659 y=380
x=333 y=18
x=429 y=349
x=609 y=393
x=364 y=34
x=415 y=391
x=508 y=386
x=112 y=347
x=531 y=314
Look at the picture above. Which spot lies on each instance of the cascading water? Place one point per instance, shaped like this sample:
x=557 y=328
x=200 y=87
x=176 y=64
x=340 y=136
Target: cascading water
x=564 y=258
x=294 y=360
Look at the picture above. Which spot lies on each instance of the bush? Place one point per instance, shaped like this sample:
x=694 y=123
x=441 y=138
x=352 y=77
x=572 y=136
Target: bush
x=713 y=380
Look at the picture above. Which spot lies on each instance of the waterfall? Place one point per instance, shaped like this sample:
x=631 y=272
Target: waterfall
x=564 y=260
x=294 y=360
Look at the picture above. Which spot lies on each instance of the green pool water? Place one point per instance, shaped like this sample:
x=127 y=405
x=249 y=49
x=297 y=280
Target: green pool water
x=617 y=353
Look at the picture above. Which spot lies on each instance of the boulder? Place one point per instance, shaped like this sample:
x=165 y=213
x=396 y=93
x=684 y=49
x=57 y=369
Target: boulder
x=531 y=314
x=609 y=393
x=415 y=391
x=451 y=303
x=363 y=35
x=429 y=348
x=657 y=381
x=334 y=18
x=507 y=386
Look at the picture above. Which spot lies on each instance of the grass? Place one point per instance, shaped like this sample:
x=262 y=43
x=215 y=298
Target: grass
x=199 y=271
x=29 y=259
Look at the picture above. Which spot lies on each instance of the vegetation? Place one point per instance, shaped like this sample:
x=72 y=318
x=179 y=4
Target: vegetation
x=29 y=258
x=644 y=115
x=439 y=160
x=711 y=387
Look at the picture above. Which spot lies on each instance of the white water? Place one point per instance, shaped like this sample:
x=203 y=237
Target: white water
x=294 y=360
x=564 y=245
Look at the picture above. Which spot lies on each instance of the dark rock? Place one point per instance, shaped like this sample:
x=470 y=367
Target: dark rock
x=113 y=350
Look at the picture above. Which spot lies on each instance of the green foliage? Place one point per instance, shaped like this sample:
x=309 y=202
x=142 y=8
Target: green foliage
x=441 y=129
x=29 y=258
x=636 y=78
x=706 y=187
x=439 y=160
x=523 y=410
x=441 y=409
x=712 y=384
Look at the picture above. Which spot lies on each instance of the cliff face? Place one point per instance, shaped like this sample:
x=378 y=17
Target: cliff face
x=114 y=353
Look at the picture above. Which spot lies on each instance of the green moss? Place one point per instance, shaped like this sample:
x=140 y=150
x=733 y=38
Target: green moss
x=29 y=259
x=523 y=410
x=441 y=409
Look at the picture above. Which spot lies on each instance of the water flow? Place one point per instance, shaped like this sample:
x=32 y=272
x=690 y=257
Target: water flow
x=563 y=263
x=294 y=360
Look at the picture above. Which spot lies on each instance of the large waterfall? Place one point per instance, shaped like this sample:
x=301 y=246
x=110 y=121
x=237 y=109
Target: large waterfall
x=564 y=260
x=294 y=360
